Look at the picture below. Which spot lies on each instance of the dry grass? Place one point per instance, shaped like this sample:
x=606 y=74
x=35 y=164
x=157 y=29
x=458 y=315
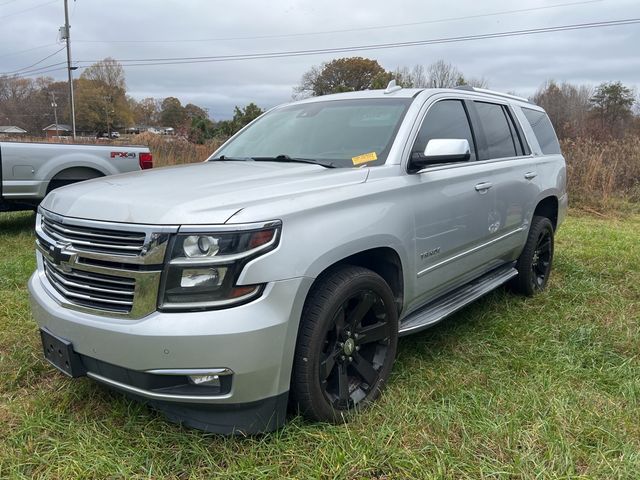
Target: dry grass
x=174 y=150
x=602 y=173
x=167 y=150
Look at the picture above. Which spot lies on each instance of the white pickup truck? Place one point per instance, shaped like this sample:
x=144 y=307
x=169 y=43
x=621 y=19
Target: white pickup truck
x=28 y=171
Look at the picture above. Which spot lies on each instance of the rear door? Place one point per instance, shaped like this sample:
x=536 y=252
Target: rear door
x=510 y=166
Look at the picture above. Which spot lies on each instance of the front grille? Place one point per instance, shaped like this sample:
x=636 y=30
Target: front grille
x=97 y=240
x=92 y=290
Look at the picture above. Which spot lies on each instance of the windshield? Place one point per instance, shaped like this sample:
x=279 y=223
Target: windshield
x=344 y=133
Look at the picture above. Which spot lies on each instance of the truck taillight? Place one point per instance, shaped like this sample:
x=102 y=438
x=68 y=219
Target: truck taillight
x=145 y=160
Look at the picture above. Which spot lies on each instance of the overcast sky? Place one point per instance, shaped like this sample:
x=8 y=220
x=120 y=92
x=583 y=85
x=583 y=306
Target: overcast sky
x=147 y=29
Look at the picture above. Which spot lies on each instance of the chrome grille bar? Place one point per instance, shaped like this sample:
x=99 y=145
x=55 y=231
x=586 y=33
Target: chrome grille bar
x=69 y=231
x=90 y=296
x=101 y=268
x=96 y=240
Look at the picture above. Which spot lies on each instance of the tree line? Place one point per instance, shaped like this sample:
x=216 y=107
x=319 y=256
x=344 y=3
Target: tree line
x=102 y=104
x=604 y=111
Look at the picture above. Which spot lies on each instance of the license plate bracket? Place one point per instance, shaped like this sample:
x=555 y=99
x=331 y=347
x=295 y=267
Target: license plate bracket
x=59 y=353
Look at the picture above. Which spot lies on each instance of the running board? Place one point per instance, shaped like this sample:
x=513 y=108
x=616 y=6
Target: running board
x=439 y=309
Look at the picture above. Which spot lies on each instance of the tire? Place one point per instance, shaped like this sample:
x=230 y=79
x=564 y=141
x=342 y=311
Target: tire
x=346 y=345
x=534 y=263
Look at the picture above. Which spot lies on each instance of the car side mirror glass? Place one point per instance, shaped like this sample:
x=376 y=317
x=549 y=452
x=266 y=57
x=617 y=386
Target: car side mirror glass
x=441 y=150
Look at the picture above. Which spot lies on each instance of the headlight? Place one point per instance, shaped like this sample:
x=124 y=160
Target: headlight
x=200 y=246
x=203 y=268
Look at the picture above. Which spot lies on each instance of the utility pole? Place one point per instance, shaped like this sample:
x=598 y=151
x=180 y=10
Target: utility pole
x=55 y=111
x=66 y=35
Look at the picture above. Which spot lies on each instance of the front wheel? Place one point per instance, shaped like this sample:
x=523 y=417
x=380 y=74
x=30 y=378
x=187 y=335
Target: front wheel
x=534 y=263
x=346 y=344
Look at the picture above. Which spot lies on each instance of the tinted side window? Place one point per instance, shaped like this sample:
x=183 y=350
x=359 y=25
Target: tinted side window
x=543 y=129
x=497 y=132
x=445 y=119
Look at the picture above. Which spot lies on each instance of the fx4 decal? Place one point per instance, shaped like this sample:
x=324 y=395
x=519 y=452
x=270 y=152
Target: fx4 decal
x=123 y=154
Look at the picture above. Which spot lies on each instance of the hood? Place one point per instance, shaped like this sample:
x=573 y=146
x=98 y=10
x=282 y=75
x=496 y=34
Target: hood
x=203 y=193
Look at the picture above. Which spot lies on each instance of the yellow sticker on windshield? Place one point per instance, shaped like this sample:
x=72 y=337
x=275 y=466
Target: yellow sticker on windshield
x=367 y=157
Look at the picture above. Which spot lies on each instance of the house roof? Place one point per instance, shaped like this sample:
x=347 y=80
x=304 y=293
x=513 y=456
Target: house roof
x=12 y=129
x=61 y=127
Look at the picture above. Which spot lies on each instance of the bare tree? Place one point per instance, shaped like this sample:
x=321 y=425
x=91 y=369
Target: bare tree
x=419 y=77
x=567 y=106
x=443 y=75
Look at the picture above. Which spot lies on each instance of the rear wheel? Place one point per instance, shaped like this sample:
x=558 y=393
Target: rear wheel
x=346 y=345
x=71 y=176
x=534 y=263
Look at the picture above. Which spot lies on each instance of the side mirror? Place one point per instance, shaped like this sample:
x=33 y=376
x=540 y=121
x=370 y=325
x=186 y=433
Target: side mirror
x=441 y=150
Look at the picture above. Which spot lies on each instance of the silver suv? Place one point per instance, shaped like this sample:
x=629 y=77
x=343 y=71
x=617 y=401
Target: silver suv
x=284 y=269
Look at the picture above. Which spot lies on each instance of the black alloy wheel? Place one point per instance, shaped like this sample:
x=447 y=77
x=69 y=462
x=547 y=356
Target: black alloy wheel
x=535 y=261
x=541 y=260
x=346 y=345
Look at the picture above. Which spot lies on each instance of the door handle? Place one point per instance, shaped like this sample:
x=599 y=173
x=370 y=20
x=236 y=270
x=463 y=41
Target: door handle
x=483 y=187
x=530 y=175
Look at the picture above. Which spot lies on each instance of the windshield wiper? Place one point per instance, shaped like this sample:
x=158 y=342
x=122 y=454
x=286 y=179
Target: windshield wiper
x=287 y=158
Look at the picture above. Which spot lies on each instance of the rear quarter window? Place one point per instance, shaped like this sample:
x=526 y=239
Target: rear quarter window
x=543 y=130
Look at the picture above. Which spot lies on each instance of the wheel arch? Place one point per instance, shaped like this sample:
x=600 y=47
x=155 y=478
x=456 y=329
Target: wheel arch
x=548 y=207
x=384 y=260
x=78 y=172
x=74 y=174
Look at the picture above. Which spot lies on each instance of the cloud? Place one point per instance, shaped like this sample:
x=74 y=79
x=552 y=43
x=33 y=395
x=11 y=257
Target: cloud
x=517 y=64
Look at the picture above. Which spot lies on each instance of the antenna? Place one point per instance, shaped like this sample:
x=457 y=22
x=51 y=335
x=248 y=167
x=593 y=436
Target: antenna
x=392 y=87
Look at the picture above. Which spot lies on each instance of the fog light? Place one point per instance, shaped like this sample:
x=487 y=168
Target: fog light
x=202 y=277
x=205 y=380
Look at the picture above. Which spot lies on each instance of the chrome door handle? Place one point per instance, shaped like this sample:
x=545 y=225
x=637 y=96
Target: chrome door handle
x=483 y=187
x=530 y=175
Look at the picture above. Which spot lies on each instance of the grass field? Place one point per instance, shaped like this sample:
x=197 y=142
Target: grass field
x=508 y=388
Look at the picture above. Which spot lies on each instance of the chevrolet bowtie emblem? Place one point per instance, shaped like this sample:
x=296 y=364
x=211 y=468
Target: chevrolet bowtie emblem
x=57 y=253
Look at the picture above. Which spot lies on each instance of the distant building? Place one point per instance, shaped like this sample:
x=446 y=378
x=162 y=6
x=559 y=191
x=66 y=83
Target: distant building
x=12 y=130
x=58 y=130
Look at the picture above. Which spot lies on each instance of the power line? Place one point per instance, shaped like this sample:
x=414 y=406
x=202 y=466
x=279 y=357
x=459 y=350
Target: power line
x=27 y=50
x=28 y=9
x=381 y=46
x=347 y=30
x=34 y=64
x=38 y=71
x=135 y=62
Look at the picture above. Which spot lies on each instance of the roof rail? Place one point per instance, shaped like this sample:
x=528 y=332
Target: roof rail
x=491 y=92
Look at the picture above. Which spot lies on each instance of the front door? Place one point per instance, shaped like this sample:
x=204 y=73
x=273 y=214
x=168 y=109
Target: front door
x=453 y=208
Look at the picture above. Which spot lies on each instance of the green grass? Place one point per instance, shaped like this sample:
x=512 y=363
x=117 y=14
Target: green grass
x=508 y=388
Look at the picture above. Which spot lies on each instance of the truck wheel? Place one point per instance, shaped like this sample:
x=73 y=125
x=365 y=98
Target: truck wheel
x=346 y=344
x=534 y=263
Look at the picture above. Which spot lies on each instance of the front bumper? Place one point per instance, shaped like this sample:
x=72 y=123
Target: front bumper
x=255 y=341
